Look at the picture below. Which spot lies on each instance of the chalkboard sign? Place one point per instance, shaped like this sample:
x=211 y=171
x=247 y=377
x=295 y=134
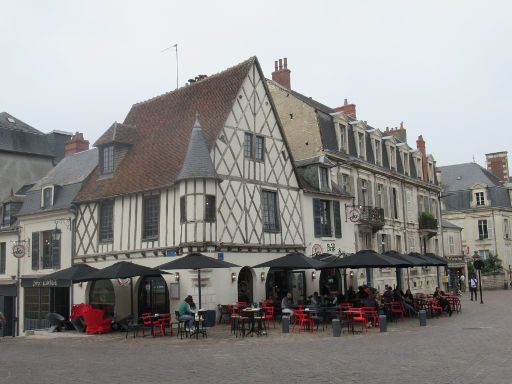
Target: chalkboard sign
x=175 y=291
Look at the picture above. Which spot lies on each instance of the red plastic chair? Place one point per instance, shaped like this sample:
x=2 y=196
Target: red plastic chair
x=359 y=317
x=396 y=309
x=302 y=319
x=164 y=321
x=95 y=322
x=372 y=314
x=269 y=315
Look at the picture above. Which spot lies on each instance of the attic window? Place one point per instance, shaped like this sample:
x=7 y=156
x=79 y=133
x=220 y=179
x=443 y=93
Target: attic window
x=47 y=197
x=107 y=160
x=11 y=120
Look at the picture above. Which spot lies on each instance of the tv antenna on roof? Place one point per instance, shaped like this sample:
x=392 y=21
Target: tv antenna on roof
x=176 y=47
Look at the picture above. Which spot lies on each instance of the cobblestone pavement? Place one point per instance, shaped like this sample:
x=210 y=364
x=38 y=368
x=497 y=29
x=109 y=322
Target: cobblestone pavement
x=471 y=347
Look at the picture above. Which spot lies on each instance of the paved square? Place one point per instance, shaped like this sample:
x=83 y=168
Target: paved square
x=474 y=346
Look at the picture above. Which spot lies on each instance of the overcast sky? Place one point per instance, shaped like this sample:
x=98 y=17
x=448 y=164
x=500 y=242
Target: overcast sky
x=442 y=67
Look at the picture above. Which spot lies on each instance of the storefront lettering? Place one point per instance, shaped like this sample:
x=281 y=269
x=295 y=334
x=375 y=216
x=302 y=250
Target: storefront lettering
x=44 y=283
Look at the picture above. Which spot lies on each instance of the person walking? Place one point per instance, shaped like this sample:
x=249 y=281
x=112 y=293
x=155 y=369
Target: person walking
x=473 y=285
x=462 y=280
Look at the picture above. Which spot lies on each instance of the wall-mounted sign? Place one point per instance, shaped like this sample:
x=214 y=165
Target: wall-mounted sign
x=28 y=282
x=18 y=251
x=354 y=215
x=316 y=249
x=170 y=252
x=220 y=256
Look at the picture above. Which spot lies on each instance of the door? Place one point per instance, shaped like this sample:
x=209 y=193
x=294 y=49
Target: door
x=245 y=292
x=9 y=305
x=297 y=284
x=153 y=295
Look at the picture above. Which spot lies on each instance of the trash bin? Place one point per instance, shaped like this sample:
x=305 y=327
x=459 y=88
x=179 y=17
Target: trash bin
x=383 y=322
x=209 y=318
x=423 y=317
x=336 y=328
x=285 y=324
x=505 y=285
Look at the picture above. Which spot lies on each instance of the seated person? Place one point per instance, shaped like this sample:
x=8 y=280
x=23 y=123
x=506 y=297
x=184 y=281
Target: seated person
x=316 y=299
x=185 y=311
x=351 y=294
x=444 y=303
x=388 y=294
x=286 y=304
x=269 y=302
x=370 y=301
x=409 y=298
x=361 y=293
x=437 y=292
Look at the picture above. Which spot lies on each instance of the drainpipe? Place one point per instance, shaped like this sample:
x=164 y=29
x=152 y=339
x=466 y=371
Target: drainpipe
x=494 y=234
x=404 y=212
x=440 y=215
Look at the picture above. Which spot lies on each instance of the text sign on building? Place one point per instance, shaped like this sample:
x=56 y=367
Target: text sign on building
x=44 y=283
x=18 y=251
x=170 y=252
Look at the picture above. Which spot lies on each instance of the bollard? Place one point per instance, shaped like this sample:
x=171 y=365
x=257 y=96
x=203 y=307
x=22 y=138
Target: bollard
x=383 y=321
x=336 y=328
x=423 y=317
x=285 y=324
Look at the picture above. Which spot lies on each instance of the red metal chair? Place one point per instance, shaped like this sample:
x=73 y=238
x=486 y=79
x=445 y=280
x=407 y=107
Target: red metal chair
x=371 y=314
x=359 y=317
x=78 y=310
x=396 y=309
x=95 y=322
x=163 y=321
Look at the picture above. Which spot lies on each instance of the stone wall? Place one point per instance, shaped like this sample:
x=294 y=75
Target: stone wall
x=493 y=280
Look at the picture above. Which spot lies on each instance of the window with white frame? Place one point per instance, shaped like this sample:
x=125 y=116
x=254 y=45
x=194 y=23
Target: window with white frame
x=47 y=197
x=344 y=182
x=380 y=196
x=483 y=229
x=378 y=152
x=451 y=244
x=360 y=141
x=412 y=243
x=480 y=199
x=506 y=229
x=271 y=222
x=484 y=253
x=392 y=157
x=107 y=160
x=343 y=138
x=398 y=243
x=324 y=178
x=406 y=164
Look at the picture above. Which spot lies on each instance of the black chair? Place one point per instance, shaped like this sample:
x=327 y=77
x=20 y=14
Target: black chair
x=182 y=325
x=225 y=313
x=56 y=322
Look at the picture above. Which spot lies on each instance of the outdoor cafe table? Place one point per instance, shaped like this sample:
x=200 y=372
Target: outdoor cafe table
x=251 y=312
x=199 y=324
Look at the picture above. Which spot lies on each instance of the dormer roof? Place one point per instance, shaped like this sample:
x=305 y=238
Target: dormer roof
x=118 y=133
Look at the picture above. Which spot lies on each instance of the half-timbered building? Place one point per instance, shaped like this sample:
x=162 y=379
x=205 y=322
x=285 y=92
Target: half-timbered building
x=203 y=168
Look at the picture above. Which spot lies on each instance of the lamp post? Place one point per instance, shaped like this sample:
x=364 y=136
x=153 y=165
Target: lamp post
x=479 y=264
x=18 y=251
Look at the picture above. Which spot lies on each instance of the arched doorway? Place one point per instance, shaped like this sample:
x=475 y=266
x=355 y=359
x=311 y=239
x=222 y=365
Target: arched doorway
x=153 y=295
x=102 y=296
x=245 y=285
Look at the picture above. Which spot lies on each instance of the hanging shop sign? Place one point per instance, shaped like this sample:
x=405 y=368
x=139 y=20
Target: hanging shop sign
x=18 y=251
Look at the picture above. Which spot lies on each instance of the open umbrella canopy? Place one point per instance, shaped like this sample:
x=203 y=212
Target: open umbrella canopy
x=72 y=273
x=365 y=259
x=294 y=260
x=434 y=260
x=420 y=260
x=325 y=257
x=408 y=260
x=197 y=261
x=121 y=270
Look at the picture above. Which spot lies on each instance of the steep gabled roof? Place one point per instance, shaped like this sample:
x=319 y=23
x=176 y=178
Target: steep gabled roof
x=164 y=126
x=8 y=121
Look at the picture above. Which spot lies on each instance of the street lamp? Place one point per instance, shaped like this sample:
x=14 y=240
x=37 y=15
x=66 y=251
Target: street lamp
x=478 y=263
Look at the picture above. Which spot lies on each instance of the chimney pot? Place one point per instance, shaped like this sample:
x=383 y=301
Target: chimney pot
x=275 y=65
x=281 y=75
x=76 y=144
x=345 y=102
x=280 y=64
x=285 y=63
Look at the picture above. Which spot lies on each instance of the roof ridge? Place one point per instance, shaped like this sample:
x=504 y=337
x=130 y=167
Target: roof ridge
x=188 y=86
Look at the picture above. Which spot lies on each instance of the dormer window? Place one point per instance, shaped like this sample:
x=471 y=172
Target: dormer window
x=480 y=199
x=378 y=153
x=6 y=221
x=107 y=160
x=406 y=164
x=419 y=169
x=360 y=140
x=392 y=157
x=47 y=197
x=343 y=138
x=324 y=178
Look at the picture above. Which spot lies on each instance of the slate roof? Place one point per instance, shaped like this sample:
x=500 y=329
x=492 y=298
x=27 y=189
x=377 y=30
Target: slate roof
x=67 y=177
x=198 y=163
x=463 y=176
x=17 y=136
x=449 y=224
x=164 y=125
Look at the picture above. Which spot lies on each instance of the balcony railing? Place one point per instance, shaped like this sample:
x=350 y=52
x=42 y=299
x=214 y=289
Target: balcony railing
x=372 y=216
x=427 y=222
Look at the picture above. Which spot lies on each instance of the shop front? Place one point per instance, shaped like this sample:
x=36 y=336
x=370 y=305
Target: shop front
x=42 y=296
x=280 y=282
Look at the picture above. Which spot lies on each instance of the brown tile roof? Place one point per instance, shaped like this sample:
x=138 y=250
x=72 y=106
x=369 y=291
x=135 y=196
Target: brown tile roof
x=118 y=133
x=164 y=125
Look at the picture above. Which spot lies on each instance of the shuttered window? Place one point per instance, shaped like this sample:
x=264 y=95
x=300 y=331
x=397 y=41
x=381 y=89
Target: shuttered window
x=183 y=209
x=3 y=256
x=35 y=251
x=151 y=217
x=210 y=208
x=55 y=252
x=337 y=219
x=106 y=221
x=322 y=217
x=270 y=212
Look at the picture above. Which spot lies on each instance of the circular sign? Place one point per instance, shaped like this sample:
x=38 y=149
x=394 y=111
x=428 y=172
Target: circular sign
x=18 y=251
x=316 y=249
x=354 y=215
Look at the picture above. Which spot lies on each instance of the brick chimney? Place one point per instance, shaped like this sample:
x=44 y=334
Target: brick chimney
x=497 y=164
x=399 y=133
x=347 y=109
x=281 y=74
x=76 y=144
x=420 y=145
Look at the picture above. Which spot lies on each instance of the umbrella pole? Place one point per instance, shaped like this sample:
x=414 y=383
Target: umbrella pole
x=131 y=294
x=199 y=286
x=408 y=282
x=345 y=281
